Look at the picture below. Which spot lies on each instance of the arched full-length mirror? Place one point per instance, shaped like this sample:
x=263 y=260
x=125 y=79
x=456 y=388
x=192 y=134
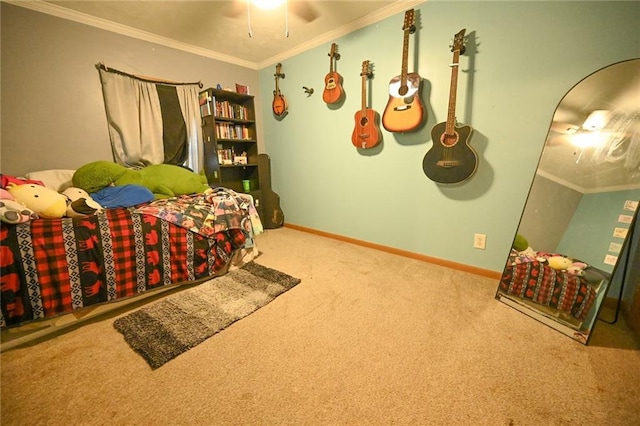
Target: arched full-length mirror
x=582 y=205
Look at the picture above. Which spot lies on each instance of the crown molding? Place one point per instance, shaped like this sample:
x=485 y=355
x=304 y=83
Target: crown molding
x=83 y=18
x=582 y=190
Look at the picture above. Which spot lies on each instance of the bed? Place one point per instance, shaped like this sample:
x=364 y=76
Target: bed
x=66 y=267
x=567 y=295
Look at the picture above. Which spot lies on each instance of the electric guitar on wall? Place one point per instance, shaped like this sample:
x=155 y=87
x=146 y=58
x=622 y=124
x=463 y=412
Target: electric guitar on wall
x=332 y=81
x=451 y=159
x=366 y=133
x=404 y=110
x=279 y=104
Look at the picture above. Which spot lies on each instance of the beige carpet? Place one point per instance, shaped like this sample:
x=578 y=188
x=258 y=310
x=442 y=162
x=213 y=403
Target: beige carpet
x=367 y=338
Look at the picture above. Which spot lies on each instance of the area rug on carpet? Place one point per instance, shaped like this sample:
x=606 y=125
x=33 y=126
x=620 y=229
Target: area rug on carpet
x=167 y=328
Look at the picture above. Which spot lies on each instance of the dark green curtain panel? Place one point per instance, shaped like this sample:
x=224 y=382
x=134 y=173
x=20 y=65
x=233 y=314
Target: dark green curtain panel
x=174 y=129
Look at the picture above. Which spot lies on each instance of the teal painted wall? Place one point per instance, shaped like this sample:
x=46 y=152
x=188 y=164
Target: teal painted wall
x=521 y=60
x=590 y=231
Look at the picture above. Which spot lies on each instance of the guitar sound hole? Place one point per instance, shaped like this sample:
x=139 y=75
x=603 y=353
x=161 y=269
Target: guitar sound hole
x=449 y=140
x=403 y=90
x=363 y=121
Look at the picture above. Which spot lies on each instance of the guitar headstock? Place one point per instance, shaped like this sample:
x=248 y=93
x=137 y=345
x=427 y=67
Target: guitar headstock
x=279 y=72
x=409 y=21
x=334 y=51
x=458 y=41
x=365 y=69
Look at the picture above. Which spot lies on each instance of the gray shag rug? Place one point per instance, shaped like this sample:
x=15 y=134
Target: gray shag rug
x=164 y=330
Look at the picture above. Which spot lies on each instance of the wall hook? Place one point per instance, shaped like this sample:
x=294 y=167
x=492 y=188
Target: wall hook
x=308 y=91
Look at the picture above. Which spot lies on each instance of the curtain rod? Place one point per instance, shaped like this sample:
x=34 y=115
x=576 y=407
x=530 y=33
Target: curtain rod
x=146 y=79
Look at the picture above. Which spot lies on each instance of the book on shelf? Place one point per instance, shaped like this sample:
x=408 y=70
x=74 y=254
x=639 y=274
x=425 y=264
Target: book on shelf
x=203 y=98
x=205 y=104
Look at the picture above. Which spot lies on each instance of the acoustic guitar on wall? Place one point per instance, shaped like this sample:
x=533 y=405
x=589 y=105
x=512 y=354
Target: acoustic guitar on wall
x=333 y=91
x=451 y=159
x=366 y=133
x=404 y=111
x=279 y=104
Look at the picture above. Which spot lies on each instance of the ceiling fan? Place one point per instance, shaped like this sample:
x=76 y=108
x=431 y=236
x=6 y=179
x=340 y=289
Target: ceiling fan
x=301 y=8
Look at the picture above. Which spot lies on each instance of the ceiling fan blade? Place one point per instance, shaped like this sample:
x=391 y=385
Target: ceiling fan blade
x=235 y=8
x=304 y=9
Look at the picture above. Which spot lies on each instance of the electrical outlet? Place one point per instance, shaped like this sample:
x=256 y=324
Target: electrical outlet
x=480 y=241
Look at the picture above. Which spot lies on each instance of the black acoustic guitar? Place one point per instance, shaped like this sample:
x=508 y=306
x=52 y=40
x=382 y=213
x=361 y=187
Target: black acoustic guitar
x=451 y=159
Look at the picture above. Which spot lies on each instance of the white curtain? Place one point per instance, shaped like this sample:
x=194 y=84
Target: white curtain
x=134 y=116
x=188 y=97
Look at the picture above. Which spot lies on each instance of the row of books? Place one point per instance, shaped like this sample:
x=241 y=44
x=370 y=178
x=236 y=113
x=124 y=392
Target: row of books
x=223 y=109
x=228 y=157
x=232 y=131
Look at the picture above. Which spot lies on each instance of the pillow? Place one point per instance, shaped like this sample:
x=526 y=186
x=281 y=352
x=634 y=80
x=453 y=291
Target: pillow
x=57 y=179
x=122 y=196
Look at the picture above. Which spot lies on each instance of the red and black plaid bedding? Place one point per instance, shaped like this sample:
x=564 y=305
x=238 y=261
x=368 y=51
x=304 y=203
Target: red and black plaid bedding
x=50 y=267
x=538 y=282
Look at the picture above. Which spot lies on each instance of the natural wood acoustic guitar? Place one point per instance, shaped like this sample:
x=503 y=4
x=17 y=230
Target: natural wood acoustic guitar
x=333 y=91
x=451 y=159
x=279 y=104
x=366 y=133
x=404 y=111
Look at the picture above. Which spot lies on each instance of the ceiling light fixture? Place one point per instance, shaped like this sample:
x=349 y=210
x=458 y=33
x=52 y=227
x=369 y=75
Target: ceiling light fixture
x=268 y=5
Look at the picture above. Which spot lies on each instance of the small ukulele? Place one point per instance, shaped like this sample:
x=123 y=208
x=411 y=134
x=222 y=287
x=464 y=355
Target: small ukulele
x=279 y=104
x=404 y=110
x=366 y=133
x=451 y=159
x=332 y=81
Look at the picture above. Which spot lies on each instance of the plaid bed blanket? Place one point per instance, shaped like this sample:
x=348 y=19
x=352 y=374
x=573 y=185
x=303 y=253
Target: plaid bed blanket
x=50 y=267
x=538 y=282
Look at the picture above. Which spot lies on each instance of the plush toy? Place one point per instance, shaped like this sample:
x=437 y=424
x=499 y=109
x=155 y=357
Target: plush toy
x=40 y=199
x=80 y=203
x=559 y=263
x=12 y=211
x=163 y=180
x=577 y=268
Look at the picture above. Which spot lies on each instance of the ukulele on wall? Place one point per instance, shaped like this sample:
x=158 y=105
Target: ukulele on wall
x=404 y=110
x=332 y=81
x=366 y=133
x=279 y=104
x=451 y=159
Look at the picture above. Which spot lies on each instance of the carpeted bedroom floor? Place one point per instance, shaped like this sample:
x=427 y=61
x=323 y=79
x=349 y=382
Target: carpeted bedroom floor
x=367 y=338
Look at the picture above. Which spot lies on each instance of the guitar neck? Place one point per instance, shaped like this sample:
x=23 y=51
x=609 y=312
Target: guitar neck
x=453 y=89
x=364 y=91
x=405 y=58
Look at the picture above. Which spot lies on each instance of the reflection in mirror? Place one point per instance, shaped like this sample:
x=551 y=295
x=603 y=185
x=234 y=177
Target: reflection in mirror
x=568 y=255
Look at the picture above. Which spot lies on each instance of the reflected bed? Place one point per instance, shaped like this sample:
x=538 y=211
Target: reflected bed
x=564 y=295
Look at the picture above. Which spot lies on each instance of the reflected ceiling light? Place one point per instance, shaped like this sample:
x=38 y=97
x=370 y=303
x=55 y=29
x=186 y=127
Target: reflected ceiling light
x=596 y=120
x=590 y=139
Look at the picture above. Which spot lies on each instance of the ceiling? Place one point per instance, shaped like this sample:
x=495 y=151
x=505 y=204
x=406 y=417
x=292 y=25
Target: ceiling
x=220 y=29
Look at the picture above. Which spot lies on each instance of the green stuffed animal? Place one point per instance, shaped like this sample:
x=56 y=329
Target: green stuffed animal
x=163 y=180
